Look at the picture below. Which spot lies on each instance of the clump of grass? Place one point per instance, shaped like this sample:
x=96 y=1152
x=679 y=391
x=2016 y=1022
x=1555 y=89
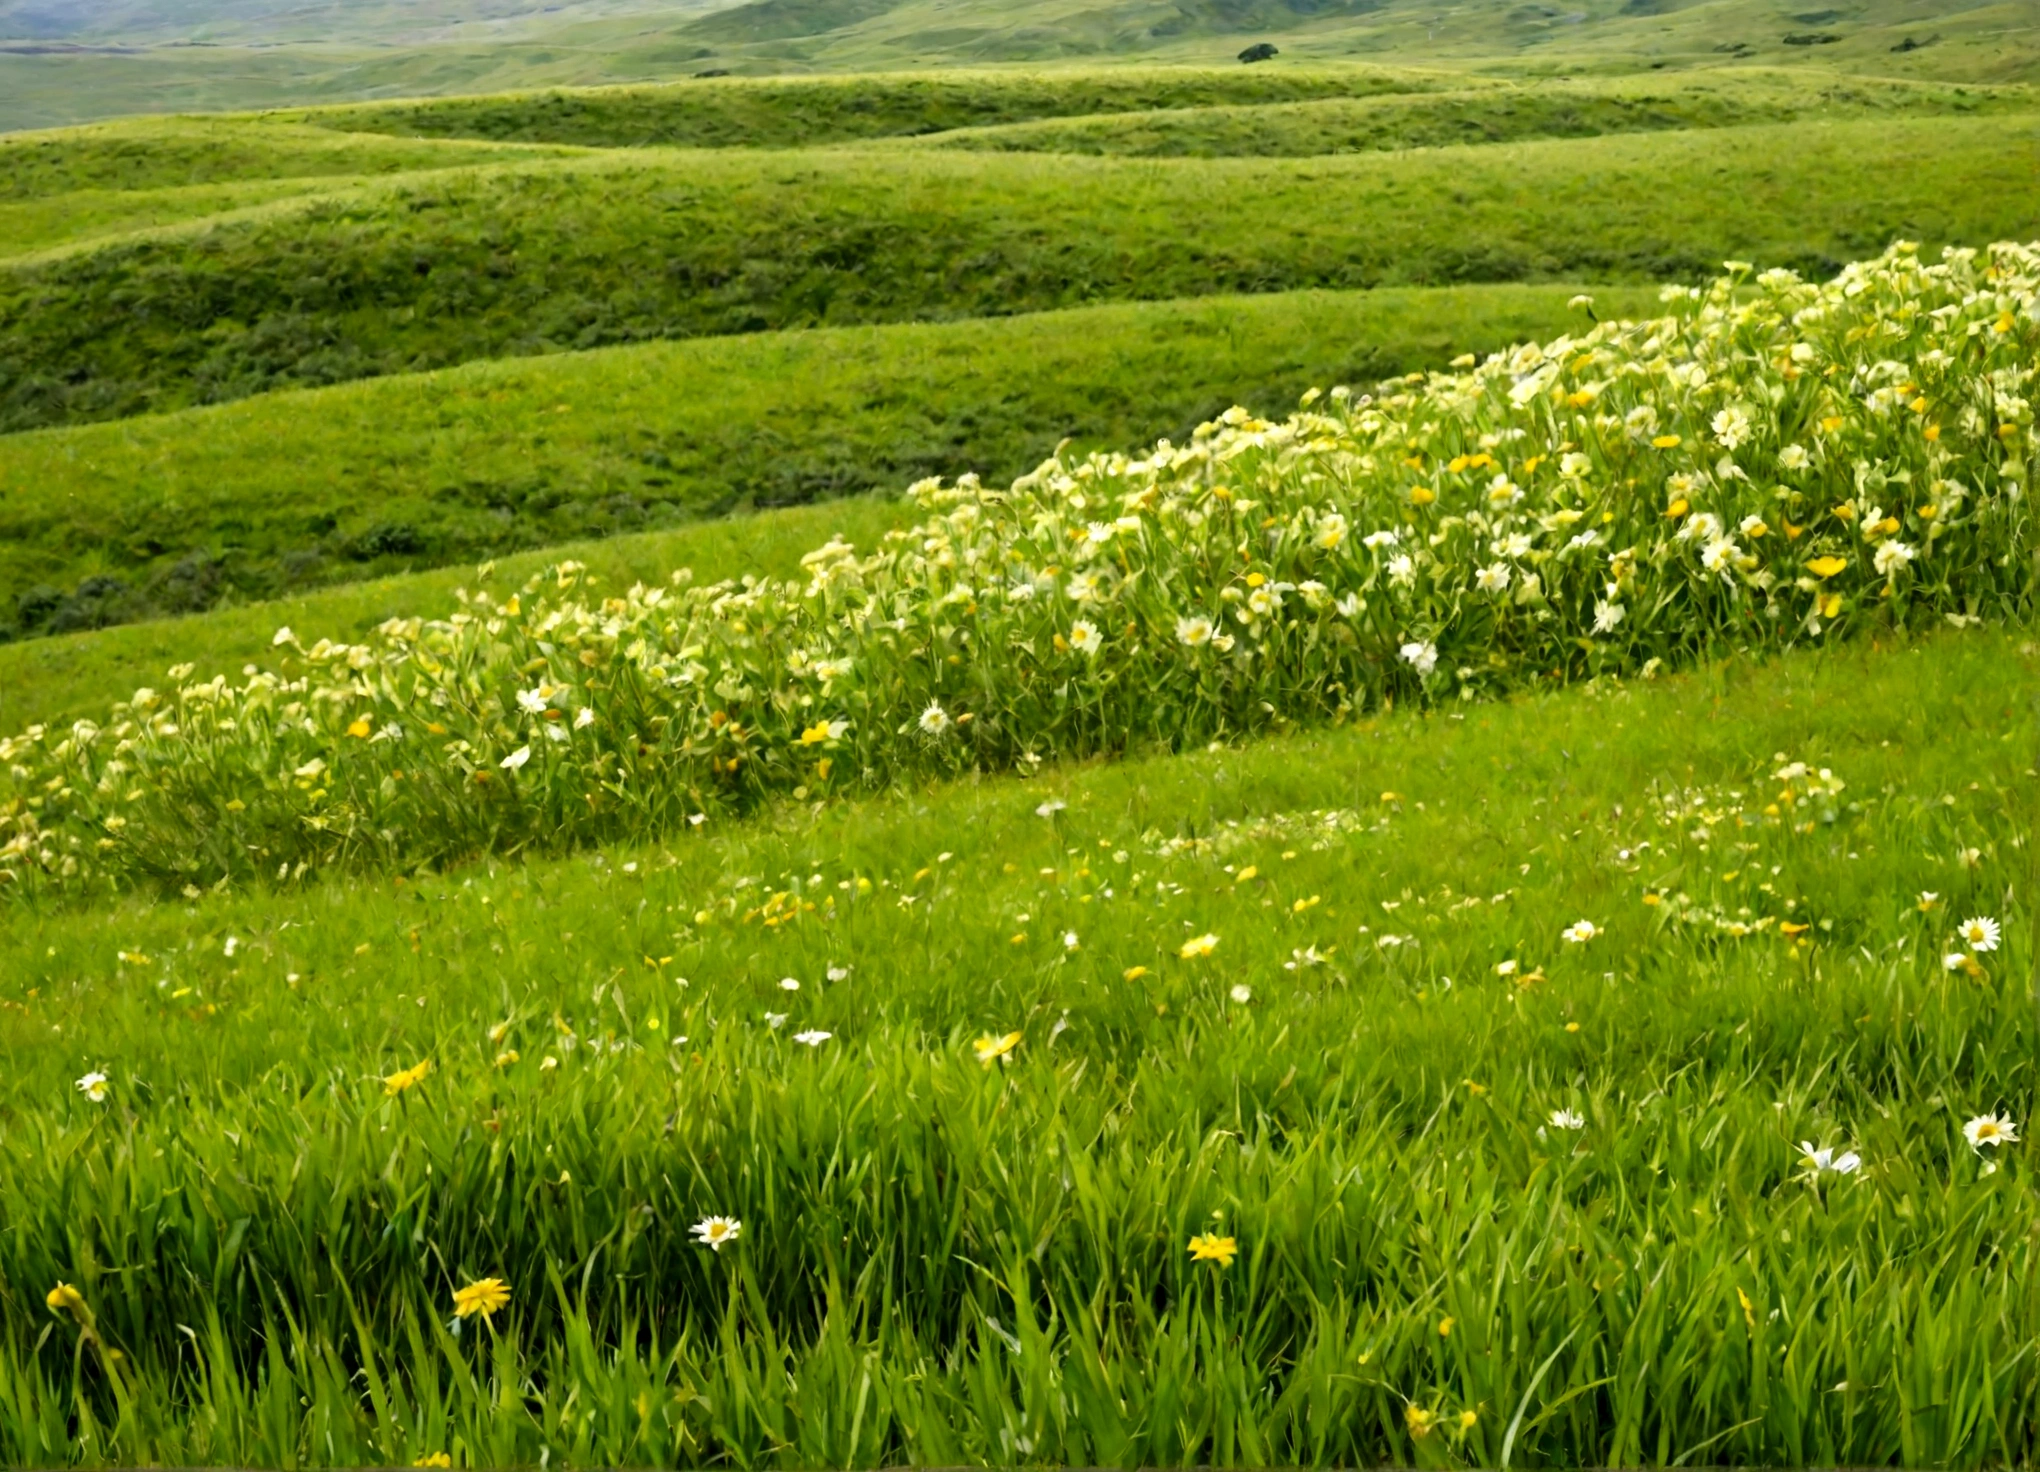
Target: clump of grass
x=1773 y=463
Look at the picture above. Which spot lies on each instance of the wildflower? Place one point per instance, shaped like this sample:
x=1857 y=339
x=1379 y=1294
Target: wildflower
x=1492 y=579
x=1402 y=569
x=775 y=1020
x=1607 y=615
x=1133 y=973
x=716 y=1232
x=1816 y=1161
x=1580 y=932
x=1050 y=808
x=1419 y=1420
x=1957 y=961
x=838 y=973
x=1386 y=537
x=584 y=717
x=1825 y=567
x=1197 y=946
x=822 y=731
x=1793 y=457
x=1421 y=657
x=935 y=720
x=813 y=1037
x=1731 y=427
x=1990 y=1129
x=516 y=759
x=1505 y=968
x=1980 y=932
x=990 y=1050
x=434 y=1459
x=1331 y=531
x=483 y=1297
x=1069 y=940
x=1210 y=1247
x=1892 y=558
x=1085 y=638
x=93 y=1086
x=1929 y=901
x=405 y=1078
x=533 y=701
x=1242 y=993
x=1719 y=554
x=1193 y=631
x=1567 y=1119
x=788 y=984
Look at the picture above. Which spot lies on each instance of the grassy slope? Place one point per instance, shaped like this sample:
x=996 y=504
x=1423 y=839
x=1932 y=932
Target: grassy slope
x=294 y=490
x=72 y=676
x=1490 y=115
x=793 y=112
x=1374 y=1135
x=576 y=254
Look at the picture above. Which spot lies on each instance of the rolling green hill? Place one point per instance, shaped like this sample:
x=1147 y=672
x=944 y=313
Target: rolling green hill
x=171 y=513
x=514 y=260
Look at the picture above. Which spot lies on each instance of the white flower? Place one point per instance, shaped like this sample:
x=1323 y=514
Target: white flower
x=1891 y=557
x=1954 y=960
x=1421 y=657
x=788 y=984
x=1567 y=1119
x=775 y=1020
x=1069 y=940
x=1242 y=993
x=1793 y=457
x=1380 y=539
x=584 y=717
x=516 y=759
x=1193 y=631
x=1701 y=526
x=813 y=1037
x=1493 y=578
x=1990 y=1129
x=1050 y=808
x=1718 y=554
x=1731 y=427
x=93 y=1086
x=1331 y=531
x=1607 y=615
x=1580 y=932
x=1816 y=1161
x=1980 y=932
x=1506 y=968
x=283 y=636
x=1402 y=568
x=1085 y=638
x=233 y=944
x=715 y=1231
x=934 y=720
x=1516 y=544
x=839 y=973
x=532 y=701
x=1572 y=465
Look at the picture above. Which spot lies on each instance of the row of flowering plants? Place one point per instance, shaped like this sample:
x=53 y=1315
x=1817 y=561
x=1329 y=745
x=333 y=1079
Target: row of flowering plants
x=1772 y=462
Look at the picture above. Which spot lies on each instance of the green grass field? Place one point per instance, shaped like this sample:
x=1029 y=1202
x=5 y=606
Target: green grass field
x=524 y=259
x=287 y=491
x=1485 y=919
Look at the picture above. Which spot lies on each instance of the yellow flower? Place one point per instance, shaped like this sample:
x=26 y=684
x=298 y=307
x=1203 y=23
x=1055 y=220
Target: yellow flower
x=1678 y=508
x=397 y=1082
x=482 y=1297
x=1423 y=496
x=1210 y=1247
x=991 y=1049
x=1666 y=442
x=1445 y=1326
x=1133 y=973
x=1419 y=1420
x=1198 y=945
x=1467 y=1421
x=435 y=1459
x=359 y=728
x=64 y=1299
x=1831 y=605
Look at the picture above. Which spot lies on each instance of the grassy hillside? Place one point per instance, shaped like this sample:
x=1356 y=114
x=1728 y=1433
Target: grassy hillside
x=70 y=677
x=527 y=259
x=1487 y=1187
x=168 y=514
x=791 y=112
x=1490 y=115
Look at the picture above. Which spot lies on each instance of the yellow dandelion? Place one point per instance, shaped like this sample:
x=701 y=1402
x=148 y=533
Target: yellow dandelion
x=1197 y=946
x=484 y=1297
x=1210 y=1247
x=990 y=1049
x=403 y=1079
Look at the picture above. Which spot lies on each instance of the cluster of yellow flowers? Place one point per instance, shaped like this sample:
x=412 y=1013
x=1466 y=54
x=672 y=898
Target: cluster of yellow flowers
x=1771 y=460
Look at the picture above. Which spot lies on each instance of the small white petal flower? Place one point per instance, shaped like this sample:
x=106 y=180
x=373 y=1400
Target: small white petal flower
x=1980 y=933
x=1580 y=932
x=94 y=1087
x=813 y=1037
x=716 y=1232
x=516 y=759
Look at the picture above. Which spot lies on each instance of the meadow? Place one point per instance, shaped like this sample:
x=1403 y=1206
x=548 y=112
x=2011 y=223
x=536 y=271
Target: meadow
x=280 y=492
x=1318 y=763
